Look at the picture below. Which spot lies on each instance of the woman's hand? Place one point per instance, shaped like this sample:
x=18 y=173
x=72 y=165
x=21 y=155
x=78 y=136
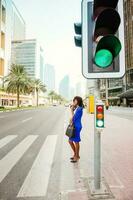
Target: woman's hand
x=71 y=121
x=72 y=108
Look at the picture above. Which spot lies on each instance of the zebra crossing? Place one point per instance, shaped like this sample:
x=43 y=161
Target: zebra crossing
x=36 y=182
x=4 y=141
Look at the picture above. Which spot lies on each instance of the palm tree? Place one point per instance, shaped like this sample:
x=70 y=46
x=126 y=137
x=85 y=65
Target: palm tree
x=17 y=81
x=38 y=86
x=52 y=95
x=60 y=98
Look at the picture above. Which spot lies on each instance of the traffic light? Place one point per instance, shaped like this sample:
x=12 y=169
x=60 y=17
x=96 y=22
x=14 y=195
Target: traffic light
x=78 y=37
x=103 y=49
x=99 y=116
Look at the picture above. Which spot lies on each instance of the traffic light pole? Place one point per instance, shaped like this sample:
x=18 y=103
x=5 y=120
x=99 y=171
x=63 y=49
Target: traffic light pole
x=97 y=159
x=97 y=135
x=97 y=151
x=98 y=186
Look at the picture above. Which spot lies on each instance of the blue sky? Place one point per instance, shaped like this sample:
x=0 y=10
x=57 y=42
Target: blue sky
x=51 y=21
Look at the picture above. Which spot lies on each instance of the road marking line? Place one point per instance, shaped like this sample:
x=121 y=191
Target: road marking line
x=117 y=178
x=2 y=117
x=10 y=160
x=117 y=186
x=36 y=183
x=4 y=141
x=67 y=180
x=26 y=120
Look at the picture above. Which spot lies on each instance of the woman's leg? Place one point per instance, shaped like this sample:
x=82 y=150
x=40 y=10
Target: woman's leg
x=73 y=147
x=77 y=149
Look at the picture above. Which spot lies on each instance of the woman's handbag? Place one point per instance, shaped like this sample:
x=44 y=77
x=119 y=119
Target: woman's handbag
x=70 y=131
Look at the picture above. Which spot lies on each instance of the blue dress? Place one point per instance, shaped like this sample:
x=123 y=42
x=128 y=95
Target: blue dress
x=77 y=124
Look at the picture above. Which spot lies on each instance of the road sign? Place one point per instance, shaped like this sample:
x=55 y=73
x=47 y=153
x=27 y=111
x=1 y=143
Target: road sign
x=103 y=48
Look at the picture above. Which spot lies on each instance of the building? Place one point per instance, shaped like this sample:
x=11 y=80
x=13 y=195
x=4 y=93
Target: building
x=29 y=54
x=12 y=27
x=42 y=65
x=110 y=90
x=127 y=94
x=64 y=87
x=128 y=10
x=18 y=24
x=2 y=36
x=49 y=77
x=119 y=91
x=92 y=88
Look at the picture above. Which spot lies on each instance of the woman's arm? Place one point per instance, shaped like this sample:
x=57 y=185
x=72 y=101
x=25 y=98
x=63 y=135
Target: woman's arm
x=72 y=114
x=77 y=114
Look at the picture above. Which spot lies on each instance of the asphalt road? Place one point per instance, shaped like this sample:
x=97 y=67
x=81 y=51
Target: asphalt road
x=29 y=157
x=122 y=112
x=34 y=156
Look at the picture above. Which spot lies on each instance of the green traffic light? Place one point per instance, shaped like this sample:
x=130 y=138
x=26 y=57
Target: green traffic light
x=100 y=124
x=103 y=58
x=107 y=49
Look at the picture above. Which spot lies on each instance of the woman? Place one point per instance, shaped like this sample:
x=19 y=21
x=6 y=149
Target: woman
x=76 y=112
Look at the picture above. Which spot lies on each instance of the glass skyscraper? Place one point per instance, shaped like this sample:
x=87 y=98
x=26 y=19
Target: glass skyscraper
x=49 y=77
x=29 y=54
x=64 y=87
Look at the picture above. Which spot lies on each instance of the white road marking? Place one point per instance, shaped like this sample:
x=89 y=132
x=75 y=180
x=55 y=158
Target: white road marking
x=4 y=141
x=120 y=184
x=67 y=180
x=2 y=117
x=10 y=160
x=26 y=120
x=36 y=183
x=117 y=186
x=27 y=111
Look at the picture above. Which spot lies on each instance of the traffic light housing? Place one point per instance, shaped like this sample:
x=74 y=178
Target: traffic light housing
x=103 y=49
x=99 y=116
x=78 y=32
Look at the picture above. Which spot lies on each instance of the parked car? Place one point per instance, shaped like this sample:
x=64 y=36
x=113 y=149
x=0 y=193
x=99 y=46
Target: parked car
x=67 y=105
x=54 y=104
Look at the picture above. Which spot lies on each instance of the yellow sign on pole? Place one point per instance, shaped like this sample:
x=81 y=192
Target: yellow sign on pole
x=91 y=105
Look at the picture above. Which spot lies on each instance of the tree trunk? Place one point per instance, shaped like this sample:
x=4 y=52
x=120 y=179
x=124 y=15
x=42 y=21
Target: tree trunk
x=37 y=98
x=18 y=96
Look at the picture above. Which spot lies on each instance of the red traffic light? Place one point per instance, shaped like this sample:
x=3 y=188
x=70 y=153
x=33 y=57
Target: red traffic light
x=100 y=109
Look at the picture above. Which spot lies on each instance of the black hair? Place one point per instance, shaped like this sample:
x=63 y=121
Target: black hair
x=79 y=100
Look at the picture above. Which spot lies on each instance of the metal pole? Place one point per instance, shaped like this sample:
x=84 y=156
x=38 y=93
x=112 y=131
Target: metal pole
x=97 y=151
x=107 y=95
x=97 y=136
x=97 y=160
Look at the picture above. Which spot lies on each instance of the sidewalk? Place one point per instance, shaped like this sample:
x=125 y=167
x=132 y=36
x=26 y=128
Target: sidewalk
x=117 y=160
